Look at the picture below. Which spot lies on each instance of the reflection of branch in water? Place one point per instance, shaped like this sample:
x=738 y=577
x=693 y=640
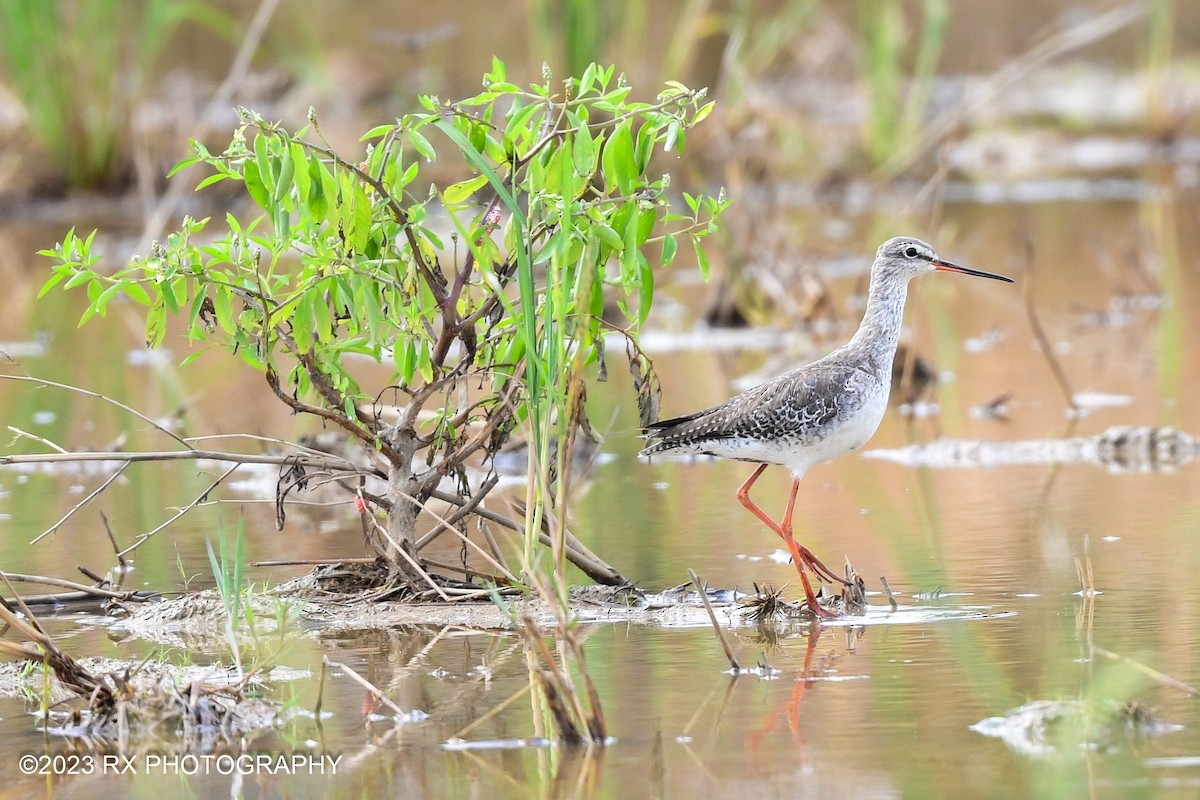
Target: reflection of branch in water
x=1055 y=468
x=1122 y=448
x=1161 y=678
x=1040 y=335
x=1085 y=616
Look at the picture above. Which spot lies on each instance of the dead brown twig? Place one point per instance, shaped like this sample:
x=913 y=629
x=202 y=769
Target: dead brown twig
x=573 y=723
x=712 y=617
x=1150 y=672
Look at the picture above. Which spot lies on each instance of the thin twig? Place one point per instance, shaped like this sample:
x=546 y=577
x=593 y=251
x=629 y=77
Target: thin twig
x=465 y=539
x=321 y=691
x=486 y=531
x=712 y=616
x=58 y=599
x=139 y=541
x=328 y=462
x=366 y=684
x=42 y=439
x=577 y=553
x=467 y=571
x=890 y=595
x=1162 y=678
x=92 y=496
x=403 y=551
x=312 y=562
x=492 y=712
x=122 y=565
x=463 y=510
x=45 y=580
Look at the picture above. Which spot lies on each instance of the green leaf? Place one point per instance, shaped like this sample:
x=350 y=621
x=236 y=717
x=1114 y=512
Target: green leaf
x=458 y=193
x=223 y=305
x=255 y=186
x=645 y=289
x=262 y=160
x=425 y=364
x=377 y=131
x=194 y=356
x=588 y=79
x=617 y=159
x=610 y=237
x=519 y=127
x=645 y=224
x=405 y=356
x=669 y=246
x=629 y=255
x=318 y=202
x=283 y=185
x=584 y=153
x=701 y=258
x=136 y=293
x=422 y=145
x=59 y=274
x=362 y=220
x=302 y=323
x=211 y=179
x=156 y=324
x=79 y=277
x=299 y=168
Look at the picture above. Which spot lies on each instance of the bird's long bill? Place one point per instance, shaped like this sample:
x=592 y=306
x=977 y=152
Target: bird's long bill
x=947 y=266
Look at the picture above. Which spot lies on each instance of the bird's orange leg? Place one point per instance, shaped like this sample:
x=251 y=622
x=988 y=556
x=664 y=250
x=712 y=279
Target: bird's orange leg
x=743 y=496
x=799 y=551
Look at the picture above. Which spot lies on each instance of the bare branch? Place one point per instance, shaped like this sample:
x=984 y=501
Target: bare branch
x=20 y=434
x=80 y=504
x=145 y=536
x=339 y=418
x=329 y=461
x=94 y=591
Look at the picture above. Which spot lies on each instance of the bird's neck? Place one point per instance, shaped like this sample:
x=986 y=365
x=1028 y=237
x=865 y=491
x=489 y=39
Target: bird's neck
x=879 y=332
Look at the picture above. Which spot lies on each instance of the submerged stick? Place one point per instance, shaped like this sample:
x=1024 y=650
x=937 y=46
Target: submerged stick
x=375 y=691
x=891 y=596
x=712 y=616
x=321 y=691
x=492 y=712
x=1160 y=677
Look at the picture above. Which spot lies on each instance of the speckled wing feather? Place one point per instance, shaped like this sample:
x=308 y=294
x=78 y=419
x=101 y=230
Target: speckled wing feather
x=795 y=405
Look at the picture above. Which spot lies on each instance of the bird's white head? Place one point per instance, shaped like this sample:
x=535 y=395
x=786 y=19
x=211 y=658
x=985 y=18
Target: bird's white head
x=905 y=257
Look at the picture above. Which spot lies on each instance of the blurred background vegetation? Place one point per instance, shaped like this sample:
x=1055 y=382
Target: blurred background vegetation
x=815 y=90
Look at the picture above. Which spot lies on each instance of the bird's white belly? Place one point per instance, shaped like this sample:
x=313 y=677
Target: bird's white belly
x=848 y=434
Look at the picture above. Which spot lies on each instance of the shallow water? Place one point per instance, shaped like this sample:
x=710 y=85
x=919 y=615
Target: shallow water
x=982 y=560
x=982 y=554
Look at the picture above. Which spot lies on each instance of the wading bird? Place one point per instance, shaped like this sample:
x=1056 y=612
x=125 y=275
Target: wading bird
x=817 y=412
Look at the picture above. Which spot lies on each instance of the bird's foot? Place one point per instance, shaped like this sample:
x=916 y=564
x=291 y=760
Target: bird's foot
x=818 y=567
x=810 y=598
x=820 y=611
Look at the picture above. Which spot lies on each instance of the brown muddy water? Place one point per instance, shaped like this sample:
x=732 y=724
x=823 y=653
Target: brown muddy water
x=879 y=707
x=980 y=543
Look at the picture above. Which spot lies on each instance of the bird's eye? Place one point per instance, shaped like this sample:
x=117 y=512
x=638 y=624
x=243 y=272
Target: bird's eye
x=910 y=252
